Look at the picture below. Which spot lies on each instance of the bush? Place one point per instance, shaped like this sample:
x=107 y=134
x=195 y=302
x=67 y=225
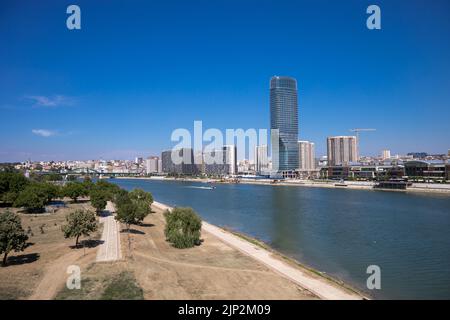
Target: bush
x=183 y=227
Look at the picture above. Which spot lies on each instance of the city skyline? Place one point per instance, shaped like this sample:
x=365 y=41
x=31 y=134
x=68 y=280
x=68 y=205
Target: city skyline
x=117 y=91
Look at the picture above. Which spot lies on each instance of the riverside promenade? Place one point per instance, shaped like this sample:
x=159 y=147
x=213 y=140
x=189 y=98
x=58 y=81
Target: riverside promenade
x=109 y=249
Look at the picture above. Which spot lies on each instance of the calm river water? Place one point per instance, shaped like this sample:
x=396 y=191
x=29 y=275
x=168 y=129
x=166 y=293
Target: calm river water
x=337 y=231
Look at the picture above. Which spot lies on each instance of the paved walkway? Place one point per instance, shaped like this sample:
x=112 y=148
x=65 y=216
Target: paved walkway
x=109 y=250
x=321 y=287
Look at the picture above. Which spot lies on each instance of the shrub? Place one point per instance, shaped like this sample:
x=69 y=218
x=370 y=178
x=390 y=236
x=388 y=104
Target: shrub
x=183 y=227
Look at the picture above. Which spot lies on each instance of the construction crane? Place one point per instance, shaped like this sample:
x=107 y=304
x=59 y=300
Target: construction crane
x=357 y=131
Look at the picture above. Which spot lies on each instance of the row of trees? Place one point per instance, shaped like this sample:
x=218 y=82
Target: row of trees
x=182 y=228
x=18 y=191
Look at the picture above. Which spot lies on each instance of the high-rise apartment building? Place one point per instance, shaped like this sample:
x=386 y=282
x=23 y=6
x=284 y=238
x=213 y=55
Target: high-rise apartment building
x=261 y=159
x=179 y=161
x=386 y=154
x=221 y=161
x=151 y=165
x=284 y=117
x=341 y=150
x=306 y=156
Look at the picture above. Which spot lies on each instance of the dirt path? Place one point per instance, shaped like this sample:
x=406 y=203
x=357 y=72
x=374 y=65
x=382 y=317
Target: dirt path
x=109 y=250
x=321 y=287
x=199 y=266
x=55 y=275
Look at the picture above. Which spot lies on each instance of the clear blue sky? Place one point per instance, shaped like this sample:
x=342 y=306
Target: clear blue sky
x=139 y=69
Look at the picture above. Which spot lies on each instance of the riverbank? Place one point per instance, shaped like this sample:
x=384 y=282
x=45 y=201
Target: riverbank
x=322 y=287
x=355 y=185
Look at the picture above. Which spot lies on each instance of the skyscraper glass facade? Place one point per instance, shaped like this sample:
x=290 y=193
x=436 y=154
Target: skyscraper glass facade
x=284 y=117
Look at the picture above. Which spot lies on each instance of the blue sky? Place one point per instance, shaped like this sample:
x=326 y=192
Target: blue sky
x=137 y=70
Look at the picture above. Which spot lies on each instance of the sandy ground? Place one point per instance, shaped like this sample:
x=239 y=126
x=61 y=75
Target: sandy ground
x=213 y=270
x=109 y=249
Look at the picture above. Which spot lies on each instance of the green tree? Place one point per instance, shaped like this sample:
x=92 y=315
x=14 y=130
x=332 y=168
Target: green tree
x=183 y=227
x=88 y=184
x=51 y=190
x=12 y=235
x=74 y=190
x=126 y=213
x=17 y=182
x=142 y=200
x=132 y=207
x=121 y=197
x=99 y=199
x=52 y=177
x=110 y=188
x=71 y=177
x=79 y=223
x=33 y=199
x=11 y=184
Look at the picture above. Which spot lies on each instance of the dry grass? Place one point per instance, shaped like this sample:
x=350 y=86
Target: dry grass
x=105 y=281
x=212 y=270
x=26 y=270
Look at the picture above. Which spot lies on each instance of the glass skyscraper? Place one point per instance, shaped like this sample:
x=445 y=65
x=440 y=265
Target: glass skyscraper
x=284 y=117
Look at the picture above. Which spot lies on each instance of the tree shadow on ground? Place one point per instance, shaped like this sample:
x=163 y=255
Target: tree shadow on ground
x=133 y=231
x=30 y=212
x=104 y=213
x=90 y=243
x=22 y=259
x=79 y=201
x=5 y=205
x=147 y=225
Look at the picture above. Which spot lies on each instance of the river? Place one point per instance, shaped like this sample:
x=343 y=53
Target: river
x=337 y=231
